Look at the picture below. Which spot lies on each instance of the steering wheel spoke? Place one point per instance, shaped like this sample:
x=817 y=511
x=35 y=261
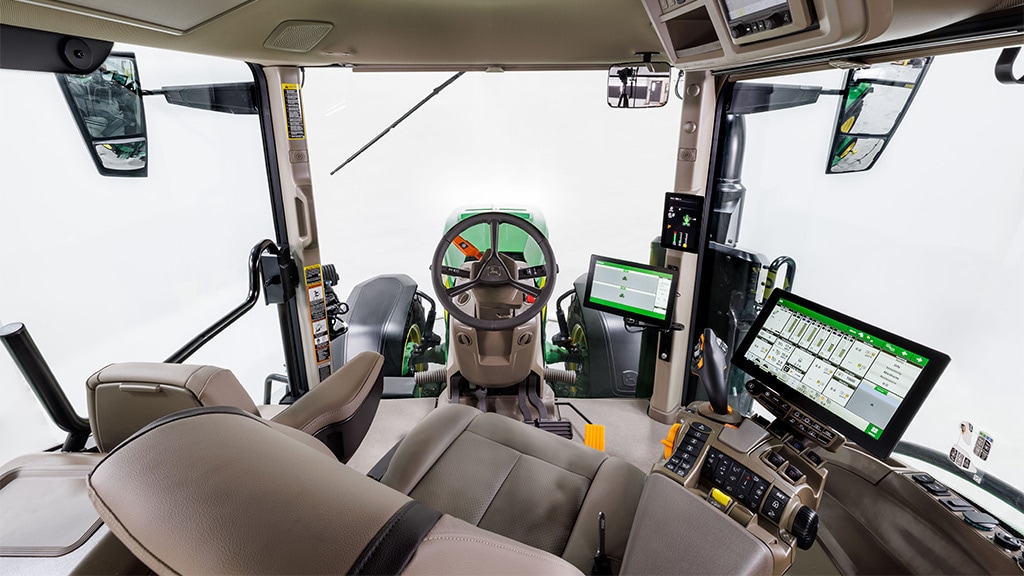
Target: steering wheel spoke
x=460 y=288
x=527 y=289
x=495 y=226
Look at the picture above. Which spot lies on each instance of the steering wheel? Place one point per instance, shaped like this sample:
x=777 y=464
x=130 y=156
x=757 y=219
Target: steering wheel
x=492 y=271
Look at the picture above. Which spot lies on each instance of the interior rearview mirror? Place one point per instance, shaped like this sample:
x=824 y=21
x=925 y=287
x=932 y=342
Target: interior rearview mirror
x=872 y=105
x=107 y=106
x=639 y=84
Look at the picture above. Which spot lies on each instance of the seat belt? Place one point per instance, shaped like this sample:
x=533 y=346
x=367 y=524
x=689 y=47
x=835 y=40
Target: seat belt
x=394 y=544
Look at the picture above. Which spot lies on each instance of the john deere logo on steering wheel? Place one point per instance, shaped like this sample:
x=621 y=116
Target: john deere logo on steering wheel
x=493 y=271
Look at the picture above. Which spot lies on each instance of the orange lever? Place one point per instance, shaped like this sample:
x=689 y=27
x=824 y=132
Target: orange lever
x=669 y=440
x=467 y=248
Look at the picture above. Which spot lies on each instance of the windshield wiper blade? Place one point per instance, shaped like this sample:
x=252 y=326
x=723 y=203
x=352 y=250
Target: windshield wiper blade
x=435 y=92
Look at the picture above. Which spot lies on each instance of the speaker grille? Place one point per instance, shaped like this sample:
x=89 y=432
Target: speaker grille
x=1007 y=4
x=297 y=35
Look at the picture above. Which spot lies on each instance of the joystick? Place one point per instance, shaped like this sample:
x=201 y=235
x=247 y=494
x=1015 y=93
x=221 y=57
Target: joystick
x=709 y=366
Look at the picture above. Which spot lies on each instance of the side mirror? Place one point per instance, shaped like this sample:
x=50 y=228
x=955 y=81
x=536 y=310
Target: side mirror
x=639 y=84
x=872 y=105
x=107 y=106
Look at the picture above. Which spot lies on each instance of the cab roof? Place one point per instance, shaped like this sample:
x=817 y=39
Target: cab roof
x=491 y=34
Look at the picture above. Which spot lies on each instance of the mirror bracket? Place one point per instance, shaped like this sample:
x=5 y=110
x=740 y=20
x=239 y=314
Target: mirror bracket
x=1004 y=66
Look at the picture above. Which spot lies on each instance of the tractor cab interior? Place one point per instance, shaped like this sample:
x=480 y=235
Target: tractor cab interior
x=667 y=396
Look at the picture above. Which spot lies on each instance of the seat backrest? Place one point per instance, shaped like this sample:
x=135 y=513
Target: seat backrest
x=124 y=397
x=216 y=491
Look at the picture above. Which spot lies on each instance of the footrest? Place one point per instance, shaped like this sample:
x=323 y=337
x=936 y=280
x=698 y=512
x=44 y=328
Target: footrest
x=561 y=428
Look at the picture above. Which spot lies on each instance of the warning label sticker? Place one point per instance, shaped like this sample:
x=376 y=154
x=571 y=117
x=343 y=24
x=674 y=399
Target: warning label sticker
x=293 y=112
x=313 y=276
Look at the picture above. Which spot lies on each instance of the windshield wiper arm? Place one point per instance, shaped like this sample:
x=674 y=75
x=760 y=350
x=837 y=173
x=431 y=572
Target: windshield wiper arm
x=435 y=92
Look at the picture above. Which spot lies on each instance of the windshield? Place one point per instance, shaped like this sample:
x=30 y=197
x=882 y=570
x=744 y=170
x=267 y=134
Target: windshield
x=928 y=244
x=546 y=141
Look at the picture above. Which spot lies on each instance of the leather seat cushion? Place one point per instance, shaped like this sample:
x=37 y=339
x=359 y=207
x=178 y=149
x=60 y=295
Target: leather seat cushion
x=518 y=481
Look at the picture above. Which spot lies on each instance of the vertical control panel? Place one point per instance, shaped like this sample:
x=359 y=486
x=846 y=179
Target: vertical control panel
x=682 y=224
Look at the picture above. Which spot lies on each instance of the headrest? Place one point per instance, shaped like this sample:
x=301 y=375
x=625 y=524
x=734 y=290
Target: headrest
x=122 y=398
x=217 y=491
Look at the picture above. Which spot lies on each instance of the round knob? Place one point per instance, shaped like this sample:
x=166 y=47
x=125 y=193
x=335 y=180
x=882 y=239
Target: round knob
x=1006 y=541
x=805 y=527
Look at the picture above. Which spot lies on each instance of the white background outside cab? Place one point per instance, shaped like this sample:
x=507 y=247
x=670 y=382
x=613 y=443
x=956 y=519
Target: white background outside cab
x=81 y=270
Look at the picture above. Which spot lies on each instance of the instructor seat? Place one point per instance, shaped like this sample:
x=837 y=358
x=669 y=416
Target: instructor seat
x=123 y=398
x=518 y=481
x=219 y=491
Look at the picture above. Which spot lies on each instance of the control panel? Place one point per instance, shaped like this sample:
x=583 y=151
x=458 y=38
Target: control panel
x=791 y=419
x=769 y=485
x=984 y=524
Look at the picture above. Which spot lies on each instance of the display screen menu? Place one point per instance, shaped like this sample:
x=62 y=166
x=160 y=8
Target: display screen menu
x=869 y=379
x=632 y=290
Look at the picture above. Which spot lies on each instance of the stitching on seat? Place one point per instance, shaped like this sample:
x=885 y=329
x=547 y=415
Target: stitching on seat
x=521 y=454
x=206 y=384
x=493 y=496
x=488 y=543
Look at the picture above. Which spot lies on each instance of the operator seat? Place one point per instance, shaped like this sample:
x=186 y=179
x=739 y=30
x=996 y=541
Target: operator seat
x=518 y=481
x=123 y=398
x=219 y=491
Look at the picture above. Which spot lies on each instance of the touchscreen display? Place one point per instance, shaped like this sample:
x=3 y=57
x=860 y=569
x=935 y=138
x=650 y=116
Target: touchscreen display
x=632 y=290
x=862 y=380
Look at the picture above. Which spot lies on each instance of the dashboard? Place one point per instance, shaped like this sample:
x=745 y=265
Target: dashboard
x=768 y=478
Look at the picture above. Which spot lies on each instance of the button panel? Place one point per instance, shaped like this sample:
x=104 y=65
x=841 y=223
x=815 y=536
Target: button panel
x=961 y=508
x=736 y=480
x=775 y=505
x=810 y=427
x=689 y=448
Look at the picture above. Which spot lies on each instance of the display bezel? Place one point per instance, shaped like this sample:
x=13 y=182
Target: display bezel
x=651 y=321
x=881 y=447
x=800 y=18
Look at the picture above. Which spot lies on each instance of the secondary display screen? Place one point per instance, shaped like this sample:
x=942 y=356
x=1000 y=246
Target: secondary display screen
x=739 y=8
x=861 y=380
x=635 y=291
x=681 y=222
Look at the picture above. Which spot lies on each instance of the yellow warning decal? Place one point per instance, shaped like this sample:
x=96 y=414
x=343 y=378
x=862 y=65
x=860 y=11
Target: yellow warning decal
x=293 y=112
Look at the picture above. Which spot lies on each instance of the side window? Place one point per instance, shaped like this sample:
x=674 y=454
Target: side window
x=926 y=244
x=106 y=270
